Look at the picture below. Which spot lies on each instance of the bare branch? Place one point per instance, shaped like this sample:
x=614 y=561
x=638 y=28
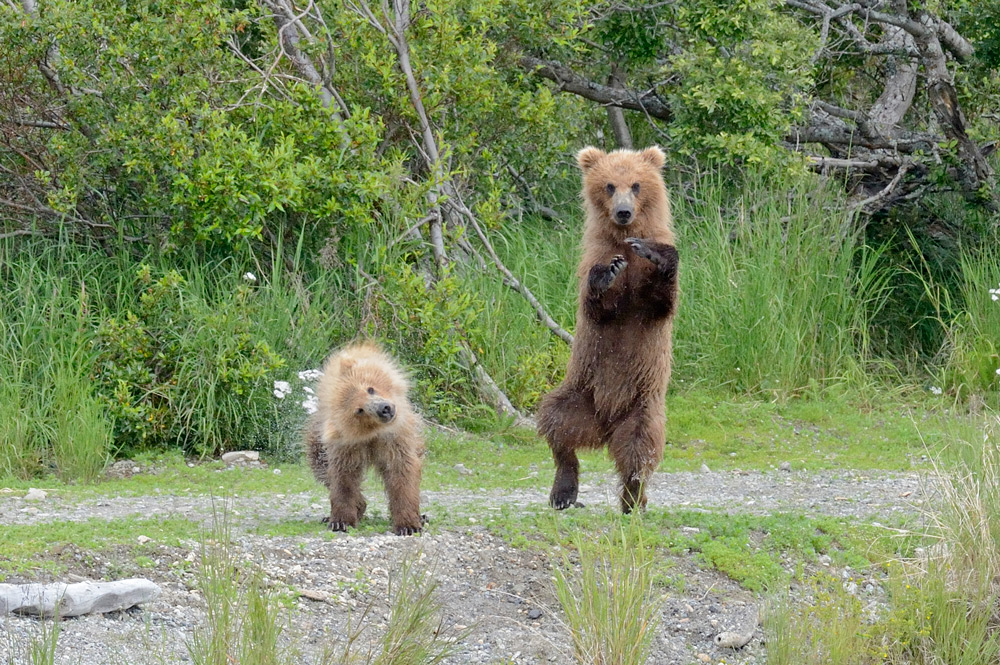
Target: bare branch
x=509 y=279
x=18 y=232
x=823 y=163
x=570 y=81
x=290 y=32
x=41 y=124
x=874 y=201
x=956 y=44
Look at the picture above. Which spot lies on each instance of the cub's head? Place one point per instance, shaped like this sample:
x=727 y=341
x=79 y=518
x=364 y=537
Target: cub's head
x=624 y=188
x=368 y=395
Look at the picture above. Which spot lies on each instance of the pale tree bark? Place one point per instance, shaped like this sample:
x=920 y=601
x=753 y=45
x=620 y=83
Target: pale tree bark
x=616 y=117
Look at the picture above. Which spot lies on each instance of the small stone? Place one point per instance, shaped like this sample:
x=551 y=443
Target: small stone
x=825 y=560
x=237 y=456
x=704 y=468
x=733 y=640
x=785 y=466
x=462 y=469
x=277 y=472
x=35 y=494
x=704 y=657
x=143 y=539
x=534 y=614
x=314 y=594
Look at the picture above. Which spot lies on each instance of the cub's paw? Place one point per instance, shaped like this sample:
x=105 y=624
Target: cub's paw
x=602 y=277
x=406 y=530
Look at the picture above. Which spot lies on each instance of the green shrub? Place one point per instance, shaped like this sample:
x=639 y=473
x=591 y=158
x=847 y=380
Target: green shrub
x=184 y=369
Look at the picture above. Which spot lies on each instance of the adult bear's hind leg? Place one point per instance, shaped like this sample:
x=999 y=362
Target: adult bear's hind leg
x=637 y=448
x=567 y=420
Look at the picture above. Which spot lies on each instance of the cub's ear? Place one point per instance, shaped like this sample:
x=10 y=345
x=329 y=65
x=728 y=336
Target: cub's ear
x=653 y=156
x=347 y=363
x=587 y=157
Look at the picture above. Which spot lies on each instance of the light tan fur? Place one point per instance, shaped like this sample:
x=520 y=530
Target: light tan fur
x=619 y=367
x=352 y=430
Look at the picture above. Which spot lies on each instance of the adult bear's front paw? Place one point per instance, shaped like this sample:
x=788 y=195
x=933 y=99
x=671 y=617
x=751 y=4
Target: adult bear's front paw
x=406 y=530
x=664 y=258
x=602 y=277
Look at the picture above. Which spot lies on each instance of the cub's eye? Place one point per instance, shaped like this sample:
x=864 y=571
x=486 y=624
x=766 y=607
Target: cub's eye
x=360 y=411
x=610 y=188
x=371 y=391
x=635 y=188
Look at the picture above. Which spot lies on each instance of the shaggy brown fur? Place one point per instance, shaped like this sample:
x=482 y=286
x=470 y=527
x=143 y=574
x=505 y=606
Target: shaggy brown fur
x=364 y=419
x=619 y=367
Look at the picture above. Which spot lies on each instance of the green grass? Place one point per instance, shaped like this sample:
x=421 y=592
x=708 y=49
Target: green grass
x=44 y=547
x=609 y=596
x=758 y=552
x=244 y=620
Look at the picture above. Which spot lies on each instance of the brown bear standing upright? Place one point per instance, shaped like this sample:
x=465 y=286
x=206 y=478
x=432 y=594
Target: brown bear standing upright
x=616 y=380
x=363 y=419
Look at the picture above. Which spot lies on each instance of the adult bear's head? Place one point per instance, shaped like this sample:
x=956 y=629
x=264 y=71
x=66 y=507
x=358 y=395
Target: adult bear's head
x=624 y=189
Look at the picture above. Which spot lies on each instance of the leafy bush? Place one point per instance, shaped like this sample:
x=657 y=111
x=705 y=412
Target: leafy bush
x=184 y=370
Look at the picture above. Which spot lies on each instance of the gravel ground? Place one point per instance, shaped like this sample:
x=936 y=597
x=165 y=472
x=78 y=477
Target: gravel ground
x=502 y=596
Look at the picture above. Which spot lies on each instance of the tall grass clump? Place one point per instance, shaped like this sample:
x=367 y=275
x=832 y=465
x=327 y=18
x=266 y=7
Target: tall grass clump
x=81 y=433
x=611 y=606
x=969 y=315
x=777 y=292
x=243 y=615
x=50 y=418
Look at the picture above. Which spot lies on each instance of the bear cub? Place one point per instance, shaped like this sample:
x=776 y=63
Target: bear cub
x=363 y=418
x=616 y=379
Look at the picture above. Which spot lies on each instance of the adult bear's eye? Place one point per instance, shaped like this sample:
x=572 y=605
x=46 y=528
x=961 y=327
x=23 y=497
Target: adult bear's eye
x=371 y=391
x=361 y=410
x=611 y=189
x=635 y=188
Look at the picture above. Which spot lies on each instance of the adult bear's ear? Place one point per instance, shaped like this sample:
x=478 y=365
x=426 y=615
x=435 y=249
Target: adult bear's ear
x=653 y=156
x=587 y=157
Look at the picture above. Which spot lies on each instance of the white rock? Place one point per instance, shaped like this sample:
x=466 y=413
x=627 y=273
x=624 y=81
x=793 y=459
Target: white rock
x=72 y=600
x=35 y=494
x=705 y=469
x=463 y=470
x=241 y=456
x=733 y=640
x=143 y=539
x=785 y=466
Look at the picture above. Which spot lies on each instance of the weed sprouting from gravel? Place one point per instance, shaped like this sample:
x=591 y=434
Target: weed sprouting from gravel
x=609 y=599
x=38 y=648
x=415 y=634
x=243 y=623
